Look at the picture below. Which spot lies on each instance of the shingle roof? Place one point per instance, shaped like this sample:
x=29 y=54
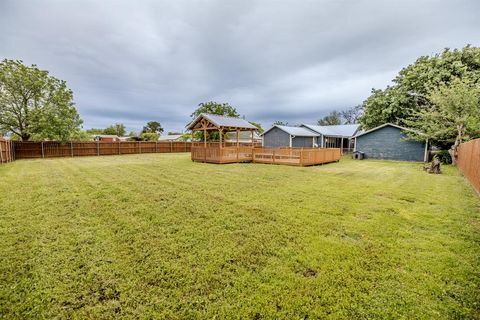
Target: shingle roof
x=390 y=125
x=295 y=131
x=170 y=137
x=342 y=130
x=223 y=121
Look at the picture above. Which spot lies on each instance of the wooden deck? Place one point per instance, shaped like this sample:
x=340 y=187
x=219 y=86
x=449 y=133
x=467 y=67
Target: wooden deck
x=286 y=156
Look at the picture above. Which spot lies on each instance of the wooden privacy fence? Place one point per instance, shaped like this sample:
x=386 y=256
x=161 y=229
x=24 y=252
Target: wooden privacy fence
x=469 y=161
x=52 y=149
x=6 y=151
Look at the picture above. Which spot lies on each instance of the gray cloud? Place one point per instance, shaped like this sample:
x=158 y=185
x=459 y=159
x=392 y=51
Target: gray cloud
x=134 y=61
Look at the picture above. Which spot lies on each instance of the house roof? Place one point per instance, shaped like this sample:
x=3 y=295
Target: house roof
x=170 y=137
x=223 y=121
x=295 y=131
x=342 y=130
x=385 y=125
x=105 y=135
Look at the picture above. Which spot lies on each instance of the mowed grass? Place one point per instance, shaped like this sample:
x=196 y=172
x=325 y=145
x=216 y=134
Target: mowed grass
x=157 y=236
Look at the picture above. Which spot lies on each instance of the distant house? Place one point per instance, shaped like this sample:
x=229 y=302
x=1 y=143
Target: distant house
x=390 y=142
x=243 y=137
x=106 y=138
x=335 y=136
x=171 y=137
x=305 y=135
x=285 y=136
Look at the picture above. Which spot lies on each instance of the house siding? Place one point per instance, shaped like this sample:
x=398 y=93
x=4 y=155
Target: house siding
x=389 y=143
x=302 y=142
x=276 y=138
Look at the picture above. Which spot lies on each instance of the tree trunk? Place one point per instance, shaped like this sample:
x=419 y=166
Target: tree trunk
x=458 y=140
x=433 y=167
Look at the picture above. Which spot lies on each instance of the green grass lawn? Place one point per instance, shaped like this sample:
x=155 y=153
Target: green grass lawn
x=157 y=236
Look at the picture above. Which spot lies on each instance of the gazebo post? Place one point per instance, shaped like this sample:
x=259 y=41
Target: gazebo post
x=220 y=133
x=204 y=137
x=238 y=132
x=251 y=132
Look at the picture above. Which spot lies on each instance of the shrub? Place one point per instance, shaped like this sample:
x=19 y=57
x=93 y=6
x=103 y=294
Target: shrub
x=443 y=156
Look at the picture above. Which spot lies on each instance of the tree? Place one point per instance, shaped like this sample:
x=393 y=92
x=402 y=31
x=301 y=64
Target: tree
x=351 y=115
x=149 y=136
x=410 y=92
x=334 y=118
x=212 y=107
x=34 y=104
x=281 y=123
x=153 y=127
x=258 y=125
x=116 y=129
x=454 y=114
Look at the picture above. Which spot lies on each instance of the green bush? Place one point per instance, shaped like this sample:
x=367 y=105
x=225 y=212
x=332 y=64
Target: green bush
x=443 y=156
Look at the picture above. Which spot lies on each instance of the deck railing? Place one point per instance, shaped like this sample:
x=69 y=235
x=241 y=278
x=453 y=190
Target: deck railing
x=288 y=156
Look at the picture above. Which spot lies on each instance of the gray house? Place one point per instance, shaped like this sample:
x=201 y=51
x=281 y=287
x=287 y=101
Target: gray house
x=283 y=136
x=389 y=141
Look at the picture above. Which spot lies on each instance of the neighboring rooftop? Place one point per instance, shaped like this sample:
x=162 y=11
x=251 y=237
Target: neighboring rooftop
x=295 y=131
x=342 y=130
x=222 y=121
x=170 y=137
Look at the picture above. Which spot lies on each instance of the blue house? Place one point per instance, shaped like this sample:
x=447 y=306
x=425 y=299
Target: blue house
x=390 y=142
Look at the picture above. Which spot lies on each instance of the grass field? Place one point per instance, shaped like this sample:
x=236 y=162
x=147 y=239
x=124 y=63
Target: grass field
x=157 y=236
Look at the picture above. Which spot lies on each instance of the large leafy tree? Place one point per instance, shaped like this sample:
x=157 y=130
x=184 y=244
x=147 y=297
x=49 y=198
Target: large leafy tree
x=116 y=129
x=409 y=94
x=153 y=127
x=35 y=105
x=452 y=117
x=333 y=118
x=212 y=107
x=352 y=115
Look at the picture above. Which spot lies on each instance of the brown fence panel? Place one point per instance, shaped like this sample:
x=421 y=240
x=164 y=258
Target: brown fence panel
x=469 y=161
x=27 y=150
x=52 y=149
x=6 y=151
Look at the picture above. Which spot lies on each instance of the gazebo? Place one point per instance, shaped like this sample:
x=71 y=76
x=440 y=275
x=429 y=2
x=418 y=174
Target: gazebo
x=214 y=148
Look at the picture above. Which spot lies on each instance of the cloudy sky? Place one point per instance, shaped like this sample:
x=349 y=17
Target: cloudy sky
x=134 y=61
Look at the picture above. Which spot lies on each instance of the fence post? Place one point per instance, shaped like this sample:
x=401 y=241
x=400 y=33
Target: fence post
x=98 y=148
x=119 y=144
x=139 y=147
x=273 y=156
x=156 y=146
x=185 y=146
x=301 y=157
x=43 y=152
x=171 y=146
x=71 y=148
x=1 y=151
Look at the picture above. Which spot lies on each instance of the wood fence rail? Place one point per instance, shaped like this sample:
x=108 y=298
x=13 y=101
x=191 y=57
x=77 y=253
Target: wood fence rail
x=52 y=149
x=6 y=151
x=469 y=161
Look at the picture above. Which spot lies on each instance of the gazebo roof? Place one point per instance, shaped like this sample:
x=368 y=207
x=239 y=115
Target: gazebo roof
x=222 y=122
